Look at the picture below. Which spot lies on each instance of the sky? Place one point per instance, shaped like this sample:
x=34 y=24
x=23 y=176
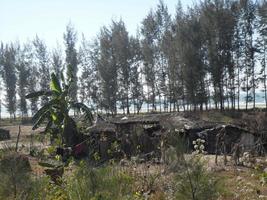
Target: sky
x=21 y=20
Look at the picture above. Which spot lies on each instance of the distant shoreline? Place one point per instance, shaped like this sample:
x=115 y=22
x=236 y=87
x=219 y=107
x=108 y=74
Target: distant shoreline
x=242 y=106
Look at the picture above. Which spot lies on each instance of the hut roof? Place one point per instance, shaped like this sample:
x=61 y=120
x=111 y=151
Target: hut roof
x=135 y=120
x=101 y=127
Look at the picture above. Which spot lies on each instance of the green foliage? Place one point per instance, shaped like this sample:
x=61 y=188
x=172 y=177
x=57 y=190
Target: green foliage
x=8 y=75
x=15 y=178
x=56 y=111
x=194 y=182
x=263 y=178
x=88 y=183
x=106 y=182
x=55 y=85
x=43 y=188
x=99 y=183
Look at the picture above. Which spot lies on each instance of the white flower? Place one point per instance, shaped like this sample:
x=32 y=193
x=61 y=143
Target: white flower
x=246 y=155
x=195 y=146
x=201 y=147
x=203 y=141
x=194 y=142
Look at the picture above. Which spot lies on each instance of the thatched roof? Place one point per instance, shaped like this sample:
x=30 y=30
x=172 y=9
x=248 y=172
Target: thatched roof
x=101 y=127
x=135 y=120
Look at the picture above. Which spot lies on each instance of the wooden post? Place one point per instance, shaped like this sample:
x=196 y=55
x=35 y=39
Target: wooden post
x=17 y=143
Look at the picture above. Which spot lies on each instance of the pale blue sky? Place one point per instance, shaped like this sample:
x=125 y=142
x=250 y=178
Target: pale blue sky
x=23 y=19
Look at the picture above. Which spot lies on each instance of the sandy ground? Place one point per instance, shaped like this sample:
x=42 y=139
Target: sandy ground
x=26 y=135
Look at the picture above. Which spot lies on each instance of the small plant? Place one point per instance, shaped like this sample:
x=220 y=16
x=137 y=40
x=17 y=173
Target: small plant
x=42 y=188
x=263 y=178
x=192 y=179
x=195 y=183
x=247 y=159
x=148 y=183
x=96 y=156
x=114 y=149
x=199 y=146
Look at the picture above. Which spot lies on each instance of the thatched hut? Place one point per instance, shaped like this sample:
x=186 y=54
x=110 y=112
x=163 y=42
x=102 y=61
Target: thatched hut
x=100 y=137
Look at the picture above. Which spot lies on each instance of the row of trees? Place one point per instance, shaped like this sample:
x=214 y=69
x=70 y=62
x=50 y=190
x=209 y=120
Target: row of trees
x=210 y=55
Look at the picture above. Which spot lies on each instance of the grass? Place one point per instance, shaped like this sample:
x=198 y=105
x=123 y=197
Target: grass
x=15 y=175
x=133 y=181
x=244 y=184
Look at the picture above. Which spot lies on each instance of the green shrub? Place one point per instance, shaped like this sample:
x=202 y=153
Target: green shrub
x=192 y=181
x=99 y=183
x=263 y=178
x=14 y=175
x=195 y=183
x=44 y=189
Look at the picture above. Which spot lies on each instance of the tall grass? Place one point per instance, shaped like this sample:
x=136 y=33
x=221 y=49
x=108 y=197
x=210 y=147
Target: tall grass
x=15 y=181
x=99 y=183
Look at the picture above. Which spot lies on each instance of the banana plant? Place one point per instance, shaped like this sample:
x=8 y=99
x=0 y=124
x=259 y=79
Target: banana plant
x=56 y=112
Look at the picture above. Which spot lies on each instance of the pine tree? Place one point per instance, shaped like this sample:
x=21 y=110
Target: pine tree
x=136 y=76
x=262 y=44
x=171 y=48
x=108 y=72
x=10 y=80
x=148 y=31
x=43 y=68
x=248 y=24
x=192 y=59
x=70 y=38
x=1 y=77
x=23 y=63
x=89 y=80
x=237 y=51
x=163 y=23
x=57 y=62
x=218 y=23
x=121 y=51
x=33 y=87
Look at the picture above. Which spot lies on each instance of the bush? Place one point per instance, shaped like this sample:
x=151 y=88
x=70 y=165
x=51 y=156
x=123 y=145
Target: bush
x=194 y=182
x=43 y=188
x=192 y=179
x=99 y=183
x=15 y=176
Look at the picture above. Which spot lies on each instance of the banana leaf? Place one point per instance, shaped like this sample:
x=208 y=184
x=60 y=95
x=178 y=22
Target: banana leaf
x=41 y=119
x=87 y=111
x=38 y=94
x=54 y=84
